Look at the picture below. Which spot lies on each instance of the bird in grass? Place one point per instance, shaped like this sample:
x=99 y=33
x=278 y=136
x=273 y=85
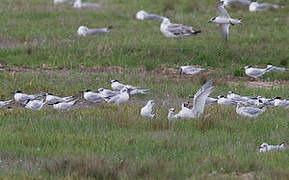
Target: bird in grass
x=255 y=6
x=250 y=112
x=35 y=104
x=118 y=86
x=240 y=2
x=5 y=103
x=278 y=102
x=65 y=105
x=52 y=99
x=224 y=20
x=120 y=98
x=79 y=4
x=275 y=68
x=143 y=15
x=147 y=110
x=266 y=147
x=92 y=96
x=222 y=100
x=63 y=1
x=104 y=93
x=176 y=30
x=171 y=114
x=236 y=97
x=84 y=31
x=22 y=98
x=190 y=70
x=185 y=112
x=256 y=72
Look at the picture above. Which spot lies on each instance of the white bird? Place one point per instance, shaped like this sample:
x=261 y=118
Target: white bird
x=255 y=6
x=224 y=20
x=65 y=105
x=134 y=90
x=267 y=101
x=249 y=111
x=190 y=70
x=52 y=99
x=147 y=110
x=256 y=72
x=275 y=68
x=265 y=147
x=176 y=30
x=35 y=104
x=104 y=93
x=185 y=112
x=84 y=31
x=235 y=97
x=211 y=101
x=118 y=86
x=225 y=101
x=171 y=114
x=63 y=1
x=79 y=4
x=241 y=2
x=22 y=98
x=120 y=98
x=142 y=15
x=91 y=96
x=278 y=102
x=5 y=103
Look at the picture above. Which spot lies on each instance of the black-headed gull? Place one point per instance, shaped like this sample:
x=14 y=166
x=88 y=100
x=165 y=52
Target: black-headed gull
x=224 y=20
x=143 y=15
x=190 y=70
x=266 y=147
x=22 y=98
x=176 y=30
x=147 y=110
x=84 y=31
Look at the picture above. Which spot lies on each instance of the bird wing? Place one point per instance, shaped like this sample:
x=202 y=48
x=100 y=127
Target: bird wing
x=113 y=99
x=193 y=70
x=221 y=9
x=225 y=30
x=251 y=110
x=179 y=29
x=200 y=98
x=94 y=97
x=154 y=17
x=97 y=31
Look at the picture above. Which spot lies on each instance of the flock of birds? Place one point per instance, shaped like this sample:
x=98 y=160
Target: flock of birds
x=246 y=106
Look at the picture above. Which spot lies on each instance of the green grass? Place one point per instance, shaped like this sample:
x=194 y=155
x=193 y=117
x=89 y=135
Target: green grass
x=108 y=142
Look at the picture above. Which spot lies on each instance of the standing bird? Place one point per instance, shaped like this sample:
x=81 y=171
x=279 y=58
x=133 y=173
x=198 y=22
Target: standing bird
x=265 y=147
x=35 y=104
x=65 y=105
x=79 y=4
x=224 y=20
x=176 y=30
x=91 y=96
x=84 y=31
x=190 y=70
x=142 y=15
x=5 y=103
x=120 y=98
x=23 y=98
x=256 y=72
x=250 y=112
x=255 y=6
x=147 y=110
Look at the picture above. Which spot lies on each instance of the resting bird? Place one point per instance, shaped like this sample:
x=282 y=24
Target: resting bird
x=142 y=15
x=5 y=103
x=35 y=104
x=65 y=105
x=266 y=147
x=249 y=111
x=190 y=70
x=120 y=98
x=79 y=4
x=147 y=110
x=84 y=31
x=23 y=98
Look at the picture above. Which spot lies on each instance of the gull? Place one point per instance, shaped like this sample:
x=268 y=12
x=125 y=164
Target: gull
x=255 y=6
x=118 y=86
x=35 y=104
x=63 y=1
x=265 y=147
x=65 y=105
x=241 y=2
x=249 y=111
x=91 y=96
x=225 y=101
x=275 y=68
x=176 y=30
x=52 y=99
x=278 y=102
x=147 y=110
x=79 y=4
x=120 y=98
x=5 y=103
x=224 y=20
x=171 y=114
x=22 y=98
x=190 y=70
x=84 y=31
x=256 y=72
x=142 y=15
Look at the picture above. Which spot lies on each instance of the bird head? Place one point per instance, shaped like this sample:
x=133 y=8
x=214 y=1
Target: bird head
x=172 y=110
x=82 y=30
x=212 y=20
x=263 y=146
x=113 y=81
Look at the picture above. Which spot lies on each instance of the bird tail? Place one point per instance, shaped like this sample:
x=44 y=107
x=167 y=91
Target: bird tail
x=282 y=143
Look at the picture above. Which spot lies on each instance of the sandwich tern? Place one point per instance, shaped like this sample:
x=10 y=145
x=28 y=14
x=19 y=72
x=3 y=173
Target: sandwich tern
x=185 y=112
x=118 y=86
x=22 y=98
x=120 y=98
x=147 y=110
x=65 y=105
x=190 y=70
x=63 y=1
x=171 y=114
x=142 y=15
x=275 y=68
x=52 y=99
x=176 y=30
x=5 y=103
x=249 y=111
x=104 y=93
x=225 y=101
x=84 y=31
x=35 y=104
x=278 y=102
x=241 y=2
x=265 y=147
x=255 y=6
x=256 y=72
x=224 y=20
x=235 y=97
x=79 y=4
x=91 y=96
x=209 y=100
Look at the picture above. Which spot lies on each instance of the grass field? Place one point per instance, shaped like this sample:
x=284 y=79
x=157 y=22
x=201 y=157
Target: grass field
x=40 y=52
